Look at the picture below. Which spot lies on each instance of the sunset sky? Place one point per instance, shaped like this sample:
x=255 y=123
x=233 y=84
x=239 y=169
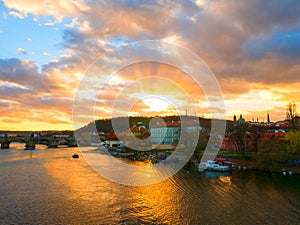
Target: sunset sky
x=46 y=46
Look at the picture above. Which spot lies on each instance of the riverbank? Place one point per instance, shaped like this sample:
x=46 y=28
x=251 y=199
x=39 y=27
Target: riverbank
x=274 y=168
x=268 y=162
x=265 y=162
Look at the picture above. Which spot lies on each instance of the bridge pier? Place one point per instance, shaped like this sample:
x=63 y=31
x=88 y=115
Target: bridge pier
x=72 y=144
x=5 y=145
x=53 y=144
x=30 y=145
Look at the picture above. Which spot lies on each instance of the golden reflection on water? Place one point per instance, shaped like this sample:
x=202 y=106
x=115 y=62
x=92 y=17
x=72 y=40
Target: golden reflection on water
x=23 y=157
x=22 y=154
x=225 y=191
x=225 y=179
x=153 y=201
x=160 y=202
x=78 y=177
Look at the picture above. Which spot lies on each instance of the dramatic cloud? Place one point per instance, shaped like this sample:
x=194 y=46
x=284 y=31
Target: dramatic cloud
x=55 y=8
x=24 y=90
x=251 y=46
x=17 y=71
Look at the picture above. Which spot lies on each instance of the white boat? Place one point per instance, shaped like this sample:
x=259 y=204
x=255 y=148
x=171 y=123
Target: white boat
x=213 y=166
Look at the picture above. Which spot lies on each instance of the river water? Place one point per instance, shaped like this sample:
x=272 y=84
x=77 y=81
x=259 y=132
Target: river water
x=48 y=186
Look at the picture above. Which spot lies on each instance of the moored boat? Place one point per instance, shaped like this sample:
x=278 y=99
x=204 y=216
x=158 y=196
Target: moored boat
x=75 y=156
x=213 y=166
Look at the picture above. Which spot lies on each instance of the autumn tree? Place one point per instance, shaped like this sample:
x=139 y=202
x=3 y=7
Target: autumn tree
x=237 y=132
x=255 y=130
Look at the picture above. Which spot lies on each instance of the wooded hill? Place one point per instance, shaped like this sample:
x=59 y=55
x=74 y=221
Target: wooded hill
x=106 y=126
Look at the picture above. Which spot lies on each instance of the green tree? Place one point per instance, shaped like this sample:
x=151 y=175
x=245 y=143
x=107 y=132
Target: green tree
x=293 y=142
x=272 y=151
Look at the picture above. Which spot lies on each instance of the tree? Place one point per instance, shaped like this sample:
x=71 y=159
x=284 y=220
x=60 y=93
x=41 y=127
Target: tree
x=293 y=141
x=202 y=141
x=237 y=133
x=255 y=131
x=291 y=114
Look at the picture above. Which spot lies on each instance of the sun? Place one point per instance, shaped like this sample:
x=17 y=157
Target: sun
x=156 y=104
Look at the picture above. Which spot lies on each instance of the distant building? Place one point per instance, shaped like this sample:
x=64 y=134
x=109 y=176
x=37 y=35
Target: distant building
x=234 y=118
x=241 y=119
x=136 y=137
x=257 y=133
x=140 y=131
x=251 y=142
x=169 y=132
x=297 y=119
x=111 y=139
x=295 y=123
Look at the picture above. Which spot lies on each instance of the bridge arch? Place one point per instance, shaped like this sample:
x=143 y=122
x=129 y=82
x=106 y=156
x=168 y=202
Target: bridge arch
x=51 y=142
x=43 y=141
x=6 y=143
x=18 y=140
x=63 y=141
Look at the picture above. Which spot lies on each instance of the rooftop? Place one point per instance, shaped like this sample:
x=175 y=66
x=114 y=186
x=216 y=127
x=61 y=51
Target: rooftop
x=177 y=123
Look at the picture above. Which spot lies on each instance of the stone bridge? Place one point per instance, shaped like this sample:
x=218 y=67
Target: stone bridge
x=31 y=141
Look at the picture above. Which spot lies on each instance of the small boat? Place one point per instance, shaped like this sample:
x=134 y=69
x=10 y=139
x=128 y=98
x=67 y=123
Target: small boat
x=213 y=166
x=224 y=162
x=75 y=156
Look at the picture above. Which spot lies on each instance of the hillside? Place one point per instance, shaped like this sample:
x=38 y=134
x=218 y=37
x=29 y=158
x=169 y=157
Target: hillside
x=105 y=125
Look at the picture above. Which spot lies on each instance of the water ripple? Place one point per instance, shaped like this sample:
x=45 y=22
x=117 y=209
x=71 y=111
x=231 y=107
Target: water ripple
x=52 y=188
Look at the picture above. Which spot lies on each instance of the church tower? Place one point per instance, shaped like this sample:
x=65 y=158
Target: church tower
x=241 y=119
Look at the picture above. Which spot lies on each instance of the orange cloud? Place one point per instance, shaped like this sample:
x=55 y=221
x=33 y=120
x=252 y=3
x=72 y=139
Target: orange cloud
x=249 y=46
